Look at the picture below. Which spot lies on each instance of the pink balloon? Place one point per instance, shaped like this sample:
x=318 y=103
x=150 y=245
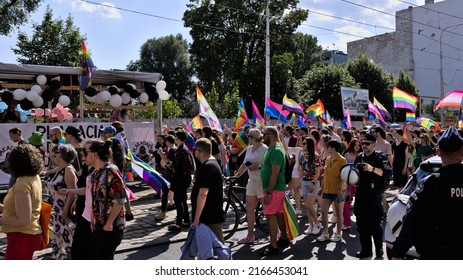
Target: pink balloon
x=47 y=112
x=39 y=112
x=68 y=117
x=56 y=110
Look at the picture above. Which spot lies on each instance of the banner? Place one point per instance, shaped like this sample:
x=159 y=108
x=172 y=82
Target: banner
x=356 y=100
x=140 y=136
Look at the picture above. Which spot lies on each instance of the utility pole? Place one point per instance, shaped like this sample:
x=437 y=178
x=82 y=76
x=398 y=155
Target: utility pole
x=267 y=55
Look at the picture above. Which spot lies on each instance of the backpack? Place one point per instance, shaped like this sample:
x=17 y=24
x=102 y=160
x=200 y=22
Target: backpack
x=288 y=168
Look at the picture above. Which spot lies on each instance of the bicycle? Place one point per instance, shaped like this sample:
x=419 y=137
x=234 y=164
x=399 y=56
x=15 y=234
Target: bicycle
x=234 y=208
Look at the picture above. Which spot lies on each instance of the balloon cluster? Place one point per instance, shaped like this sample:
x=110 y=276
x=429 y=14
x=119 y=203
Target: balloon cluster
x=117 y=97
x=59 y=112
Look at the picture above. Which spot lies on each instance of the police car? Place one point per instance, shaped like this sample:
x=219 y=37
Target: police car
x=397 y=207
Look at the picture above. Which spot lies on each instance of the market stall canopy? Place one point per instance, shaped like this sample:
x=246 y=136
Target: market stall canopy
x=29 y=72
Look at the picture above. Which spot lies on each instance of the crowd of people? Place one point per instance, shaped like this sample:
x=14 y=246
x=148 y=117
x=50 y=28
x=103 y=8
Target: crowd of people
x=91 y=200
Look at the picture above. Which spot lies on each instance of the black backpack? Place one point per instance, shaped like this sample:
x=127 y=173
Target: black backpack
x=288 y=169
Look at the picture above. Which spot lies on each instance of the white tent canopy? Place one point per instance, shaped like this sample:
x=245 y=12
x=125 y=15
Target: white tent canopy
x=29 y=72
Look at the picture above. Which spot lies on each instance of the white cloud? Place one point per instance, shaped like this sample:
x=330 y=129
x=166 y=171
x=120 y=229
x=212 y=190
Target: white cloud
x=106 y=10
x=344 y=37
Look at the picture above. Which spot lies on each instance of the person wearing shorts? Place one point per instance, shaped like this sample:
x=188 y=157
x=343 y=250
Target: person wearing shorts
x=253 y=159
x=310 y=186
x=273 y=183
x=332 y=187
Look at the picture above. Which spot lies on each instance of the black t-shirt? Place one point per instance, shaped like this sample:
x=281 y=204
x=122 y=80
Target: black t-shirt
x=209 y=176
x=215 y=146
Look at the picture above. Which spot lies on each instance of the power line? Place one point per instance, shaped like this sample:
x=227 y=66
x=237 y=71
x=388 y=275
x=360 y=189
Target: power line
x=426 y=8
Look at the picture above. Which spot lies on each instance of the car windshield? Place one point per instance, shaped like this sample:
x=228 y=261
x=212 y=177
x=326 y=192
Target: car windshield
x=420 y=173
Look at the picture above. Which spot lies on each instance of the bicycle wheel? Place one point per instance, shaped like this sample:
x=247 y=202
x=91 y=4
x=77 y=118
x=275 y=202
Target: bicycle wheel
x=231 y=221
x=261 y=219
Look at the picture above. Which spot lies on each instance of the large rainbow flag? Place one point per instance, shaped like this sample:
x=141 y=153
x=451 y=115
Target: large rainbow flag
x=87 y=68
x=258 y=119
x=315 y=110
x=242 y=118
x=206 y=111
x=404 y=100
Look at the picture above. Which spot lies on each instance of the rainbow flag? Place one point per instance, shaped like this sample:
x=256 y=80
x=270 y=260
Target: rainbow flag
x=206 y=111
x=196 y=122
x=258 y=119
x=275 y=110
x=404 y=100
x=410 y=117
x=290 y=217
x=242 y=119
x=87 y=68
x=240 y=142
x=375 y=113
x=381 y=109
x=315 y=110
x=452 y=99
x=292 y=106
x=148 y=174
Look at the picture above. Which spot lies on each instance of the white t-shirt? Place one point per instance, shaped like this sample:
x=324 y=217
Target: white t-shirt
x=255 y=157
x=297 y=151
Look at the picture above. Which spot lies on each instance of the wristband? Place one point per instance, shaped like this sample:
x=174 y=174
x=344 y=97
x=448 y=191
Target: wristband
x=373 y=169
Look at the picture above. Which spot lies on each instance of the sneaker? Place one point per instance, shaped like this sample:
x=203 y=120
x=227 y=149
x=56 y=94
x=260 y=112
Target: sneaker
x=323 y=237
x=345 y=227
x=270 y=251
x=175 y=228
x=160 y=216
x=283 y=243
x=128 y=217
x=298 y=212
x=333 y=219
x=171 y=207
x=247 y=240
x=308 y=230
x=316 y=229
x=336 y=237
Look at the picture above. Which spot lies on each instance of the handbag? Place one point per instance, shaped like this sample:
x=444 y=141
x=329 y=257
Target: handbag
x=45 y=215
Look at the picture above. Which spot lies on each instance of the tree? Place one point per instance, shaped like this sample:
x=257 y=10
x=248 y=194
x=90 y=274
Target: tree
x=324 y=83
x=230 y=103
x=229 y=43
x=171 y=108
x=14 y=13
x=371 y=76
x=168 y=56
x=53 y=42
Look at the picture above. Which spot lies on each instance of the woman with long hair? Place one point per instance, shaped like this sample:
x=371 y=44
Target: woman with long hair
x=400 y=159
x=309 y=169
x=108 y=198
x=355 y=148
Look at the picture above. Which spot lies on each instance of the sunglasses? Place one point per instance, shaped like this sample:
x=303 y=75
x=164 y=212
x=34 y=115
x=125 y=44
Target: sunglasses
x=366 y=143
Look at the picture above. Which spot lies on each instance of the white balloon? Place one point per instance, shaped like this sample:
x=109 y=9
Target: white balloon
x=116 y=100
x=105 y=95
x=144 y=97
x=38 y=102
x=41 y=80
x=126 y=98
x=64 y=100
x=19 y=94
x=161 y=85
x=163 y=95
x=99 y=99
x=32 y=95
x=37 y=89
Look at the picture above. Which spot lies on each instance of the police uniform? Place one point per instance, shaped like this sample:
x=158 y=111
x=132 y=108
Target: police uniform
x=368 y=207
x=433 y=211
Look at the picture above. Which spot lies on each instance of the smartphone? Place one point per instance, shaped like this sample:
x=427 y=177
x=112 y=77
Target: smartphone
x=248 y=163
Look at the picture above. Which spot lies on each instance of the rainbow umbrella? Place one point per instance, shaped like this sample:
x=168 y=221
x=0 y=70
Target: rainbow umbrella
x=425 y=122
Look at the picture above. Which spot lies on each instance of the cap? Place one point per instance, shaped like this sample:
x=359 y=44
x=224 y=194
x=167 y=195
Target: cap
x=330 y=126
x=36 y=138
x=109 y=129
x=451 y=141
x=369 y=137
x=75 y=132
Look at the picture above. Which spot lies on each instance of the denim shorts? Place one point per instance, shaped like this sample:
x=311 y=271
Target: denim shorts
x=305 y=188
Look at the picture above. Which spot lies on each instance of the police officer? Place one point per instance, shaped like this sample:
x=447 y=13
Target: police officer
x=375 y=170
x=432 y=223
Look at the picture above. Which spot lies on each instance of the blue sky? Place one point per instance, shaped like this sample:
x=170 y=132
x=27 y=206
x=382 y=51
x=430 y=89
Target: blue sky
x=114 y=36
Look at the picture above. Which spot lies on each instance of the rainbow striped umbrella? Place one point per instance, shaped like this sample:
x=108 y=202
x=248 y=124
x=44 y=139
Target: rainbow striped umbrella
x=425 y=122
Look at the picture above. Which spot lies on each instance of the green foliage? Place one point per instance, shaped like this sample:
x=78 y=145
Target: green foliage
x=324 y=83
x=230 y=103
x=15 y=13
x=229 y=44
x=53 y=42
x=212 y=97
x=405 y=82
x=171 y=108
x=169 y=56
